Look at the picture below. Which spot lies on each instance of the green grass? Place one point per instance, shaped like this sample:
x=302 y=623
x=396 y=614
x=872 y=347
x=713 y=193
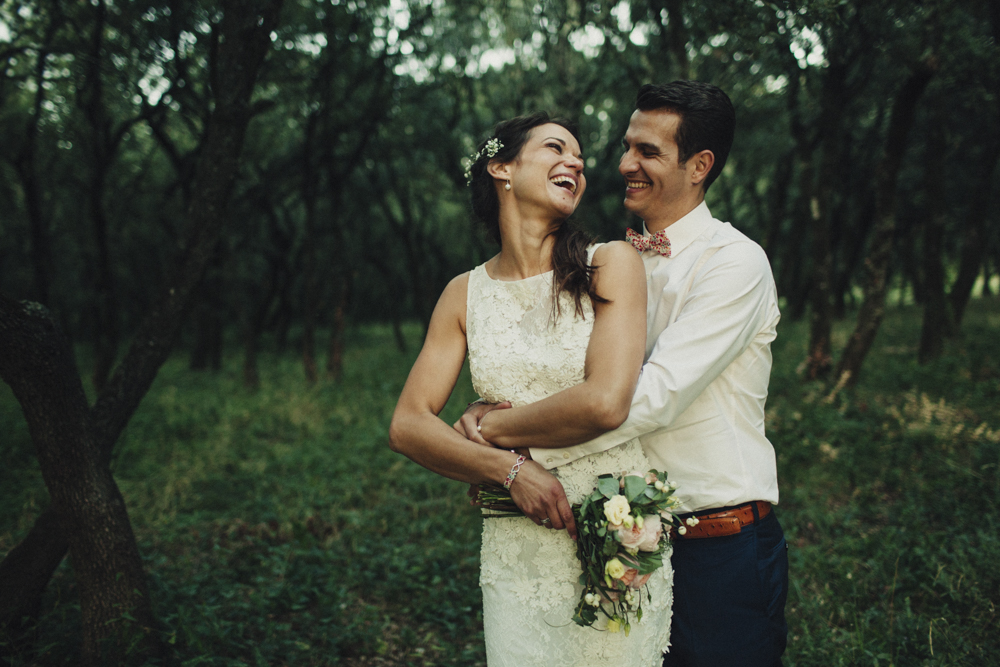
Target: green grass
x=889 y=500
x=279 y=529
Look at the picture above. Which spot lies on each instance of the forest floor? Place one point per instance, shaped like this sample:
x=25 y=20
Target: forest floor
x=279 y=529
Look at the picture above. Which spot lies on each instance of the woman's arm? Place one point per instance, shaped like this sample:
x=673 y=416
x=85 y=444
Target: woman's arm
x=614 y=356
x=418 y=433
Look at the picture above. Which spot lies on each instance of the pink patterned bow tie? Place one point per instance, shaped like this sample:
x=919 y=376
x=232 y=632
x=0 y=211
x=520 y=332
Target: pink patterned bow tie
x=657 y=242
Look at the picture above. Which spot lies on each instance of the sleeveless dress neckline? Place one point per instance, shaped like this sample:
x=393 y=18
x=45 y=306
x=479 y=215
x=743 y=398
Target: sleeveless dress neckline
x=519 y=280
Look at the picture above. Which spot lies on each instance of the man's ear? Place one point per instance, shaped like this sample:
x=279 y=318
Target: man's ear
x=498 y=170
x=701 y=164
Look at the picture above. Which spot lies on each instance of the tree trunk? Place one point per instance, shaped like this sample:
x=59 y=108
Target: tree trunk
x=310 y=277
x=792 y=281
x=777 y=202
x=104 y=308
x=674 y=36
x=937 y=320
x=335 y=361
x=251 y=345
x=397 y=333
x=877 y=262
x=74 y=443
x=208 y=319
x=26 y=571
x=853 y=251
x=114 y=599
x=819 y=358
x=974 y=237
x=256 y=321
x=992 y=272
x=27 y=171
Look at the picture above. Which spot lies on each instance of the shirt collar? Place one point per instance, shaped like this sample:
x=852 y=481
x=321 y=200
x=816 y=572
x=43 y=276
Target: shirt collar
x=683 y=232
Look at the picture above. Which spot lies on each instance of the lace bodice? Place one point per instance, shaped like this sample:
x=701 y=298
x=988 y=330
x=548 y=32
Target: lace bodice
x=520 y=352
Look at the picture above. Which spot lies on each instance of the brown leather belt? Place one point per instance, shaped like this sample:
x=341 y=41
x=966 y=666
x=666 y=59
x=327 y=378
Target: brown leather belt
x=717 y=523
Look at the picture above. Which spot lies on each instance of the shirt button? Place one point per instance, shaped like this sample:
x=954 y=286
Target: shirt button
x=549 y=460
x=565 y=455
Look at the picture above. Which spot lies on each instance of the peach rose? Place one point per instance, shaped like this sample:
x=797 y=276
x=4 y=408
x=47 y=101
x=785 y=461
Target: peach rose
x=632 y=579
x=646 y=538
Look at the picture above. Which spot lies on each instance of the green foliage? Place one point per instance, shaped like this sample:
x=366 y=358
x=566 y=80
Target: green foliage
x=889 y=502
x=278 y=527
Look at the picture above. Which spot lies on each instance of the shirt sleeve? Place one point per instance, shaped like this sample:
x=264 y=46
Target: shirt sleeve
x=731 y=299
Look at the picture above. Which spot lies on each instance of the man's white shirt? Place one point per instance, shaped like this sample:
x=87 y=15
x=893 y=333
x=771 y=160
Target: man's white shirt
x=698 y=408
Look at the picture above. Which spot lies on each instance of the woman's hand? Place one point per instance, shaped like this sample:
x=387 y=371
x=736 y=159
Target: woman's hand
x=541 y=497
x=468 y=424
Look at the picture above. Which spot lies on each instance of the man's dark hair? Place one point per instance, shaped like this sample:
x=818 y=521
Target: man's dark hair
x=708 y=119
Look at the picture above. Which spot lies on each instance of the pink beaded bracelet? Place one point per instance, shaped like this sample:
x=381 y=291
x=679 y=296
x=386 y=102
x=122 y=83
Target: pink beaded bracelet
x=514 y=469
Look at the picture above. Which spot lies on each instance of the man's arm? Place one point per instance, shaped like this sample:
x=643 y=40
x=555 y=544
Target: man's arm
x=614 y=355
x=729 y=303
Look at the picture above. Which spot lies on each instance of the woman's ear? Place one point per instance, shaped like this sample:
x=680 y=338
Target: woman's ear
x=498 y=170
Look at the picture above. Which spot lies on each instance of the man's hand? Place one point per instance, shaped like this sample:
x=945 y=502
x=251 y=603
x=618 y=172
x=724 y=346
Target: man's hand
x=542 y=499
x=468 y=423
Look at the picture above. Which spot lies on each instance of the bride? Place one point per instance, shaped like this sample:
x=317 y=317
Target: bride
x=552 y=311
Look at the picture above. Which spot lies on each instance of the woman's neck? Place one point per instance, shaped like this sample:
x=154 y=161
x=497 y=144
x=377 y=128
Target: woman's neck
x=526 y=247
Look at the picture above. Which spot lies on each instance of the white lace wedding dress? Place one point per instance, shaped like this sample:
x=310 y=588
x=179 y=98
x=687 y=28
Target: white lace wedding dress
x=529 y=574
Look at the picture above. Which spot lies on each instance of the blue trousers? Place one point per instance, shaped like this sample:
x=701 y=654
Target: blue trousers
x=729 y=599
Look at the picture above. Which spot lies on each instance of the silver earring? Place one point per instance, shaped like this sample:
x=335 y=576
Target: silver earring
x=507 y=187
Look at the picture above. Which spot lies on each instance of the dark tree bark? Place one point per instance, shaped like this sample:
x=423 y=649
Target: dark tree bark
x=852 y=252
x=26 y=571
x=974 y=245
x=310 y=193
x=974 y=232
x=793 y=281
x=674 y=36
x=937 y=321
x=74 y=442
x=208 y=319
x=336 y=160
x=819 y=358
x=877 y=262
x=26 y=166
x=777 y=203
x=253 y=330
x=38 y=365
x=278 y=253
x=101 y=145
x=335 y=360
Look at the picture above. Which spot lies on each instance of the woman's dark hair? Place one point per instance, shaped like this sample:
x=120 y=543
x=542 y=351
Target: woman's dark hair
x=708 y=119
x=570 y=271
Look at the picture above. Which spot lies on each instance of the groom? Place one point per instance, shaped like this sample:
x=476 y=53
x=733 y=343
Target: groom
x=698 y=408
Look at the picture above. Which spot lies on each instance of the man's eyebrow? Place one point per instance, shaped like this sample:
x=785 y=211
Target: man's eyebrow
x=648 y=148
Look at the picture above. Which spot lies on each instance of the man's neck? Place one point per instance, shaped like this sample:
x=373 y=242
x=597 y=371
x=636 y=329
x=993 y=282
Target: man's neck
x=672 y=212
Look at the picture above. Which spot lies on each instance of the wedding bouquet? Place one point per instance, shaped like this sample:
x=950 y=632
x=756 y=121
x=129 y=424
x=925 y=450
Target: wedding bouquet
x=622 y=530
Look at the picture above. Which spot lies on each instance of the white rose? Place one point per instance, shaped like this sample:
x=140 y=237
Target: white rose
x=616 y=509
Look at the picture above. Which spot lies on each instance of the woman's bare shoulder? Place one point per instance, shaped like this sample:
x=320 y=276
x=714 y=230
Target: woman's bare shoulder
x=615 y=254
